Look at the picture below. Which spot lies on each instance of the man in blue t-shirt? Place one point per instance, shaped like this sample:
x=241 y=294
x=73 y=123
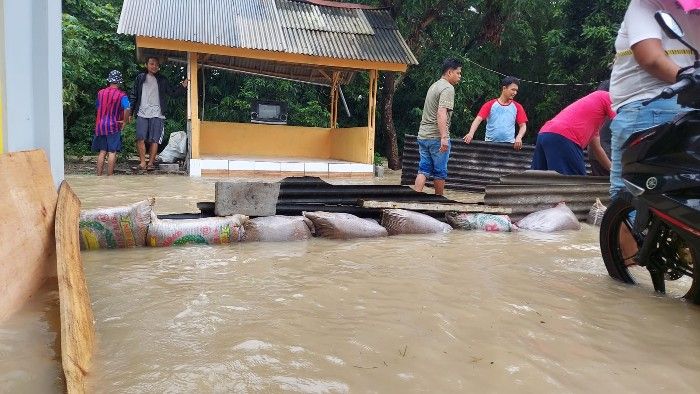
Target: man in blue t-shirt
x=501 y=115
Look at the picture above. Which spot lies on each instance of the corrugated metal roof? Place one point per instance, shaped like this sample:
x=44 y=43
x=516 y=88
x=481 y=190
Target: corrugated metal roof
x=272 y=25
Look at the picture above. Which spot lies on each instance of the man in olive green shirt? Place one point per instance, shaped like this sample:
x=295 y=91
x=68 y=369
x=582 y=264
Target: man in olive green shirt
x=434 y=131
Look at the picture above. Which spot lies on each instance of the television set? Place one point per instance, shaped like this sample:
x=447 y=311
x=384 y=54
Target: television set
x=268 y=112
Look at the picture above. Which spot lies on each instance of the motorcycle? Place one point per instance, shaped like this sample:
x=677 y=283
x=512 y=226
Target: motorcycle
x=655 y=223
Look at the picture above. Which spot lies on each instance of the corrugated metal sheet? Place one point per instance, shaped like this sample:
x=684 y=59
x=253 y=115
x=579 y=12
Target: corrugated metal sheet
x=299 y=194
x=274 y=25
x=532 y=191
x=471 y=166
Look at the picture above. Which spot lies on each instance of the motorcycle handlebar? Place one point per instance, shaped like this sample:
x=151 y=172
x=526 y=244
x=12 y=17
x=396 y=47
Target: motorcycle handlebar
x=672 y=90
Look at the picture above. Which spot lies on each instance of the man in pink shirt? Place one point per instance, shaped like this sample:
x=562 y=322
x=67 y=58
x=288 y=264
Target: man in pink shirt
x=561 y=140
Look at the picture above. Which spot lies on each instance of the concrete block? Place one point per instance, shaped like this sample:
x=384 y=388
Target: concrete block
x=168 y=167
x=246 y=198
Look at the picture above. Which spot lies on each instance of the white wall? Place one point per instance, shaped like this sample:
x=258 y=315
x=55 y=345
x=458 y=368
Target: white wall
x=30 y=42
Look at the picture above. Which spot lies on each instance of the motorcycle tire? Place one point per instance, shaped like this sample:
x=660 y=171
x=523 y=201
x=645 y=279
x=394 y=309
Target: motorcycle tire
x=614 y=218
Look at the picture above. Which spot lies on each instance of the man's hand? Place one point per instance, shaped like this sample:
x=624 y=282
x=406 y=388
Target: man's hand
x=185 y=82
x=444 y=144
x=518 y=144
x=468 y=138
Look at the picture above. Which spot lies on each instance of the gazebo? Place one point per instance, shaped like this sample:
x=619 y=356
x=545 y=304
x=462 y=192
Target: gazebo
x=313 y=41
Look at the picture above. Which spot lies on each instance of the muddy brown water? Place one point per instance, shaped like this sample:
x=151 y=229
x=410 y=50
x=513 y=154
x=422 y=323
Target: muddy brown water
x=460 y=312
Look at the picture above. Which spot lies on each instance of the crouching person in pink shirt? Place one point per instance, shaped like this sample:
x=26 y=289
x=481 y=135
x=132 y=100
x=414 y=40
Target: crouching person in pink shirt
x=561 y=141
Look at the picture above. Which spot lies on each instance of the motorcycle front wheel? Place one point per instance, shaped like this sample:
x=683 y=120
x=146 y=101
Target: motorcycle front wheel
x=674 y=260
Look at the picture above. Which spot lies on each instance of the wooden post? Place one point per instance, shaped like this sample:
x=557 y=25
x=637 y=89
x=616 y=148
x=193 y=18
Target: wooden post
x=335 y=82
x=193 y=101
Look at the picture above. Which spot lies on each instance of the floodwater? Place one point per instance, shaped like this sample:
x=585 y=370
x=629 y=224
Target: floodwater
x=459 y=312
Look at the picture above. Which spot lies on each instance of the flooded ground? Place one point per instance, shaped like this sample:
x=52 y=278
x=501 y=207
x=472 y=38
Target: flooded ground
x=466 y=311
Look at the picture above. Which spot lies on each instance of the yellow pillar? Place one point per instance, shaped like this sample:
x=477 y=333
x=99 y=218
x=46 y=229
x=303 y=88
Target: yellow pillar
x=372 y=113
x=372 y=109
x=193 y=101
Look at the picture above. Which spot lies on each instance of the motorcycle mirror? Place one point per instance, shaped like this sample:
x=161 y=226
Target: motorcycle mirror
x=669 y=24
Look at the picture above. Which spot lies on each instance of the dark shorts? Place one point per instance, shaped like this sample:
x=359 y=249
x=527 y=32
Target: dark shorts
x=109 y=143
x=555 y=152
x=150 y=129
x=433 y=163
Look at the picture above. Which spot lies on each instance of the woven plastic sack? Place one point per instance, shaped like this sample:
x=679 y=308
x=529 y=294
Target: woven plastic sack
x=176 y=148
x=401 y=221
x=113 y=228
x=595 y=215
x=548 y=220
x=338 y=225
x=277 y=229
x=480 y=221
x=205 y=231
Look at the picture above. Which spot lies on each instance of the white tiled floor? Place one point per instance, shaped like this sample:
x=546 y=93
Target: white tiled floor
x=283 y=164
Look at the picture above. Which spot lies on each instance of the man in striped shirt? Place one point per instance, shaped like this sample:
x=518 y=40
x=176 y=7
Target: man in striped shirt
x=113 y=109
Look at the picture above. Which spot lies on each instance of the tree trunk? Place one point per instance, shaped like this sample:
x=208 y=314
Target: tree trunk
x=390 y=140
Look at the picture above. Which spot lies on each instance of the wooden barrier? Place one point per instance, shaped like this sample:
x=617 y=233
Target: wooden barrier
x=77 y=322
x=27 y=210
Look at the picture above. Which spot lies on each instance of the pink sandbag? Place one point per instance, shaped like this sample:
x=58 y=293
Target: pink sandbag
x=337 y=225
x=480 y=221
x=401 y=221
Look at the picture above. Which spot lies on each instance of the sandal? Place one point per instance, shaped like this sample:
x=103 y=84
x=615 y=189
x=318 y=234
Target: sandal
x=138 y=168
x=150 y=167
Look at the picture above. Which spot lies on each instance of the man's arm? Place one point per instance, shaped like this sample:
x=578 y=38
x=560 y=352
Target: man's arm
x=177 y=89
x=597 y=150
x=442 y=127
x=519 y=138
x=475 y=126
x=652 y=58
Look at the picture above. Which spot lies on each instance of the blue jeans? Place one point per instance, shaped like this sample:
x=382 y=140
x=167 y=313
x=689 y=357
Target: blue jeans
x=433 y=163
x=631 y=118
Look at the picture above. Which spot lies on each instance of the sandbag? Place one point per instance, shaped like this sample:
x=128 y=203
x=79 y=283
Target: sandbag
x=548 y=220
x=176 y=148
x=401 y=221
x=595 y=215
x=480 y=221
x=204 y=231
x=118 y=227
x=338 y=225
x=277 y=229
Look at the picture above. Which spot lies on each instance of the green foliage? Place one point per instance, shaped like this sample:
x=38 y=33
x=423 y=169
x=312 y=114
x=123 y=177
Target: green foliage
x=563 y=41
x=92 y=48
x=378 y=159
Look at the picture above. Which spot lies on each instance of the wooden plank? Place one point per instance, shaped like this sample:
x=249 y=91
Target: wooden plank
x=27 y=245
x=77 y=327
x=435 y=207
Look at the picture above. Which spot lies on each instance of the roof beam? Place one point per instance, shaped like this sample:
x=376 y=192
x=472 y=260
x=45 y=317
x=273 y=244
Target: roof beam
x=187 y=46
